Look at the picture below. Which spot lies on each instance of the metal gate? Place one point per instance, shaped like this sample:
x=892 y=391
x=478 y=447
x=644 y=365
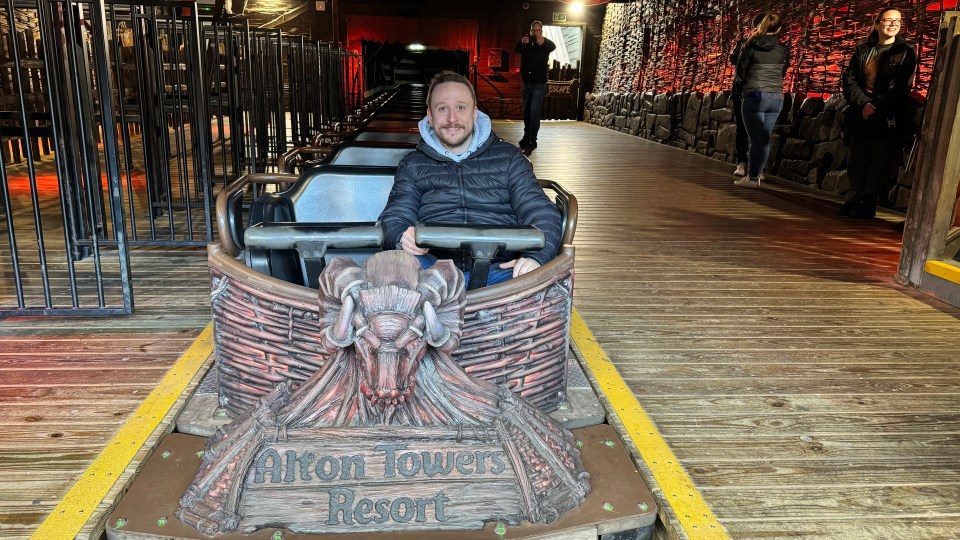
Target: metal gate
x=142 y=110
x=157 y=76
x=312 y=77
x=243 y=74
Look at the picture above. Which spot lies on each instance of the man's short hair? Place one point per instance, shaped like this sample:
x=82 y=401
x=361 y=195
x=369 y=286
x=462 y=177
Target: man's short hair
x=450 y=76
x=536 y=22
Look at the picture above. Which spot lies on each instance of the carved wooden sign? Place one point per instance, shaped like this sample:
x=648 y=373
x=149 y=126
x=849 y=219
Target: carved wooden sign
x=391 y=433
x=560 y=88
x=378 y=479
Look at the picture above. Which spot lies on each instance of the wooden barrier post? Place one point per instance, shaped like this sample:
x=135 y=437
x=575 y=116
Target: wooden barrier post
x=936 y=177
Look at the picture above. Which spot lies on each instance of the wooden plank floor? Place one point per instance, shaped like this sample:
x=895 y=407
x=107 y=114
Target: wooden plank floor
x=805 y=393
x=68 y=384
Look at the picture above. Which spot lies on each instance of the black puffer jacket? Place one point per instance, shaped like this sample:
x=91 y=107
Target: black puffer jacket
x=891 y=90
x=762 y=64
x=493 y=186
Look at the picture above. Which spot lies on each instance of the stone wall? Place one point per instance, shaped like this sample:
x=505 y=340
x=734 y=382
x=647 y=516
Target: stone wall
x=663 y=71
x=677 y=45
x=806 y=145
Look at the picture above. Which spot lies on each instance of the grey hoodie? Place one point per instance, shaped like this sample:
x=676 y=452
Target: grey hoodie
x=481 y=130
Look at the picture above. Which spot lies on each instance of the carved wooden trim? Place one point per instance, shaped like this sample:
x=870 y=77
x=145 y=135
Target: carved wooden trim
x=386 y=333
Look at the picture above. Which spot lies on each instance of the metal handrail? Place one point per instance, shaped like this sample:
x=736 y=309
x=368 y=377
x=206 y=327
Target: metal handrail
x=225 y=213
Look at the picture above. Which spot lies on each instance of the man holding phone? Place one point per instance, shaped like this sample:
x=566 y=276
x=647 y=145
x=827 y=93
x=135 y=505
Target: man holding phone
x=534 y=50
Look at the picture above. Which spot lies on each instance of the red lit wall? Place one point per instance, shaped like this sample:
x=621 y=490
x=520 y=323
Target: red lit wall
x=667 y=45
x=451 y=34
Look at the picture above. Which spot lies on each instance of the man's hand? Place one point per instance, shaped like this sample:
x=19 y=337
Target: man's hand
x=521 y=266
x=868 y=110
x=525 y=40
x=408 y=243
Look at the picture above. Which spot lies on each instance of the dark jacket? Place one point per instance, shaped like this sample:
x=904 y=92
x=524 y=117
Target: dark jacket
x=533 y=61
x=891 y=91
x=493 y=186
x=762 y=64
x=737 y=91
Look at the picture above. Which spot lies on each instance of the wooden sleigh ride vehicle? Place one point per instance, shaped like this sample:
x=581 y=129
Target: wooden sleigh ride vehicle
x=306 y=394
x=272 y=249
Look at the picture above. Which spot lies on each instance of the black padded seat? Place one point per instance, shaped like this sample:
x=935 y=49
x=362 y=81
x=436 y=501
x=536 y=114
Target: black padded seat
x=408 y=116
x=408 y=111
x=386 y=136
x=341 y=194
x=330 y=194
x=405 y=110
x=366 y=153
x=390 y=124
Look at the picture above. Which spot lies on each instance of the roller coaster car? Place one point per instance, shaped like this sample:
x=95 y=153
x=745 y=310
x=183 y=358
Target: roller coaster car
x=363 y=153
x=263 y=280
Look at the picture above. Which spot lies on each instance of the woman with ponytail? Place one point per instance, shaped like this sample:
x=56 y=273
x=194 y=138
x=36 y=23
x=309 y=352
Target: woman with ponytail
x=877 y=85
x=760 y=70
x=736 y=94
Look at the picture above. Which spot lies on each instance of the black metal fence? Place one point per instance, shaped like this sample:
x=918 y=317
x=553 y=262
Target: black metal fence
x=148 y=110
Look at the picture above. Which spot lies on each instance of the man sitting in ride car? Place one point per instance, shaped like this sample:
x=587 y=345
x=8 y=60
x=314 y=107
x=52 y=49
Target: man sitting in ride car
x=462 y=173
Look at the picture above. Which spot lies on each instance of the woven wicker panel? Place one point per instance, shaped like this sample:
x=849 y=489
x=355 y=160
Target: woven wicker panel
x=522 y=342
x=263 y=339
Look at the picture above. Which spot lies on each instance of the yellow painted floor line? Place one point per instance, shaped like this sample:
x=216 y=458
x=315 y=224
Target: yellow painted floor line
x=695 y=516
x=80 y=503
x=943 y=270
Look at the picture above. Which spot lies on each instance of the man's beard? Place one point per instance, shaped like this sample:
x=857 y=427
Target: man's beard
x=457 y=142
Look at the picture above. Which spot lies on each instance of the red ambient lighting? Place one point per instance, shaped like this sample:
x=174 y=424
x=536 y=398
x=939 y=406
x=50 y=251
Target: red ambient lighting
x=942 y=5
x=48 y=184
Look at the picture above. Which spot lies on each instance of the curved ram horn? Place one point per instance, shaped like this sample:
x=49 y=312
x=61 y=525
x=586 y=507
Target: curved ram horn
x=342 y=330
x=437 y=333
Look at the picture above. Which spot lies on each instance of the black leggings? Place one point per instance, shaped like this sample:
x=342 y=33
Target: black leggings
x=743 y=143
x=871 y=165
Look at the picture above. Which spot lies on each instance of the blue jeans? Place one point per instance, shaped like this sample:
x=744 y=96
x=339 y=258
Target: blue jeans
x=494 y=276
x=532 y=109
x=760 y=112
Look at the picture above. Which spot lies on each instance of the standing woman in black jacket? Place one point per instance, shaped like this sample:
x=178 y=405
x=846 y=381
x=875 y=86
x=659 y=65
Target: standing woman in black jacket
x=877 y=85
x=760 y=71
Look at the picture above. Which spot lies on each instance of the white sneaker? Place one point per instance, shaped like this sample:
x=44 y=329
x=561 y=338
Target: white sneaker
x=747 y=182
x=740 y=170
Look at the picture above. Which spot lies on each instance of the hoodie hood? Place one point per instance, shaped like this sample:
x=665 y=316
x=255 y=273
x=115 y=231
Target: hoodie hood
x=766 y=42
x=481 y=131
